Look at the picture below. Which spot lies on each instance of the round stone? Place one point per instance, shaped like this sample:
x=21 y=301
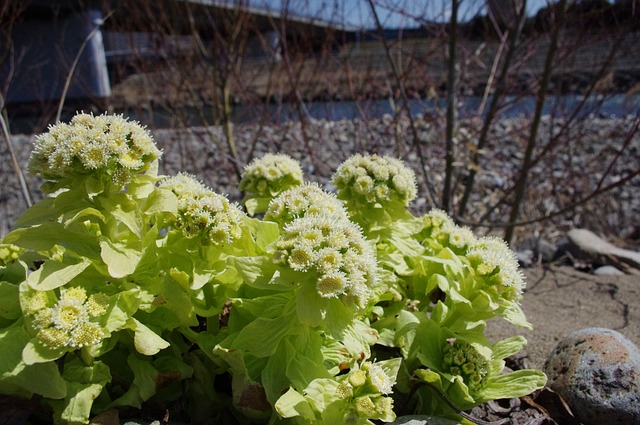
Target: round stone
x=597 y=372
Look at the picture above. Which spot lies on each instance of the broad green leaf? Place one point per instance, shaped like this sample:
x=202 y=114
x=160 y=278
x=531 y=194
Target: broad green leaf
x=145 y=340
x=322 y=392
x=266 y=233
x=512 y=385
x=161 y=200
x=44 y=236
x=121 y=261
x=304 y=358
x=53 y=274
x=121 y=307
x=514 y=314
x=261 y=337
x=311 y=307
x=84 y=385
x=508 y=347
x=292 y=404
x=9 y=301
x=40 y=378
x=34 y=352
x=254 y=271
x=143 y=386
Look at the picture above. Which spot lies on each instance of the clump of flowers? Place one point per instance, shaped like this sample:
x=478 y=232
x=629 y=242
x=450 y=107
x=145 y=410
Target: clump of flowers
x=341 y=261
x=373 y=179
x=104 y=145
x=204 y=213
x=495 y=262
x=440 y=231
x=356 y=397
x=123 y=287
x=267 y=177
x=307 y=199
x=72 y=322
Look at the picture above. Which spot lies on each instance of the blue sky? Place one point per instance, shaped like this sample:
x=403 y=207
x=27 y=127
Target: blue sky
x=392 y=13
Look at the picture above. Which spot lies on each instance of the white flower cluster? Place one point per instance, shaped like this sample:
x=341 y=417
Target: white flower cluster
x=333 y=248
x=202 y=212
x=107 y=142
x=438 y=226
x=307 y=199
x=492 y=259
x=368 y=387
x=270 y=175
x=367 y=179
x=70 y=323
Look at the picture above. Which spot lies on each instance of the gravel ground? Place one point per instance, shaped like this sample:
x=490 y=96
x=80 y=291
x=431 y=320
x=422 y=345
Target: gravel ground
x=590 y=154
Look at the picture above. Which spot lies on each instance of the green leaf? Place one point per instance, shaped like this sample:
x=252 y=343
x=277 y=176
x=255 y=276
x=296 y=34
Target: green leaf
x=34 y=352
x=261 y=337
x=145 y=340
x=254 y=271
x=161 y=200
x=304 y=358
x=121 y=261
x=143 y=385
x=53 y=274
x=84 y=385
x=508 y=347
x=9 y=301
x=266 y=232
x=512 y=385
x=38 y=378
x=292 y=404
x=513 y=314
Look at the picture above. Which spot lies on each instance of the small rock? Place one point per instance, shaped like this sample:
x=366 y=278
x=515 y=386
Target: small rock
x=597 y=372
x=525 y=258
x=608 y=271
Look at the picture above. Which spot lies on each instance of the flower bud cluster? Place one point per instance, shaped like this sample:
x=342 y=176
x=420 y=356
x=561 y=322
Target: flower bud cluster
x=202 y=212
x=368 y=388
x=440 y=228
x=493 y=260
x=335 y=250
x=460 y=358
x=271 y=175
x=370 y=179
x=303 y=200
x=89 y=144
x=9 y=253
x=72 y=322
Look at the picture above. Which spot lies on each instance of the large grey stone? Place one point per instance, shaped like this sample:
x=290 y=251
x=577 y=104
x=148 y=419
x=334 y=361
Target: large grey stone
x=597 y=372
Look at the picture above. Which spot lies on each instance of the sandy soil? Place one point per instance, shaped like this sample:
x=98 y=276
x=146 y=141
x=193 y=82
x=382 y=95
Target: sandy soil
x=560 y=299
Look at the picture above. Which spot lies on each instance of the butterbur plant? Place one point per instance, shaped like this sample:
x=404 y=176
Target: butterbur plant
x=125 y=290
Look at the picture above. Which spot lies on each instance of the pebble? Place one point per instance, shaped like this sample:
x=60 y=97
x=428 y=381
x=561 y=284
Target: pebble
x=597 y=372
x=608 y=271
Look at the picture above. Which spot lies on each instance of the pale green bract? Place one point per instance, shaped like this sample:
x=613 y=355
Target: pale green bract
x=124 y=288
